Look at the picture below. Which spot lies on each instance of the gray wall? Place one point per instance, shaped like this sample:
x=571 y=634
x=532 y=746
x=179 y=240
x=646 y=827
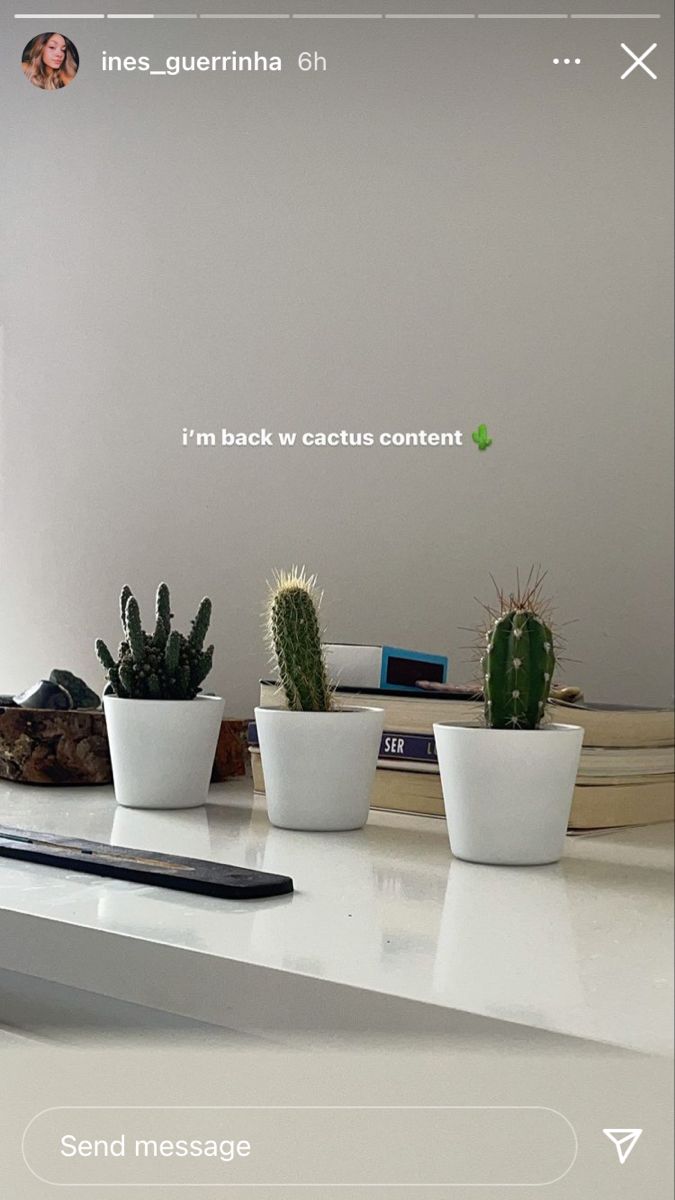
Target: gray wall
x=442 y=229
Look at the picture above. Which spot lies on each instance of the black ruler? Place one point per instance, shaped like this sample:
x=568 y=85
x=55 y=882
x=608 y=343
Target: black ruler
x=142 y=866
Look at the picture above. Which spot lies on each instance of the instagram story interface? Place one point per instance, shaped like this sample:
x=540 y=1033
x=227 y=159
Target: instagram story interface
x=336 y=673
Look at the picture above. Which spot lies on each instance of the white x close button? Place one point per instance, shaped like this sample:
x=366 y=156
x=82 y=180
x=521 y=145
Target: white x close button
x=639 y=60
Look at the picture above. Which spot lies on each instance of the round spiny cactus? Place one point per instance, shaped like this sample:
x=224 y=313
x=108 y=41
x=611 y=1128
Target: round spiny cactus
x=518 y=658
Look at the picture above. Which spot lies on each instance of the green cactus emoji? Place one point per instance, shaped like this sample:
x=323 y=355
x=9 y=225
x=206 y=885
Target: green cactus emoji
x=480 y=437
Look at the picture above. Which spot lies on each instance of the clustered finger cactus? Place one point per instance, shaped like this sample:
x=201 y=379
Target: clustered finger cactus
x=518 y=659
x=163 y=665
x=294 y=637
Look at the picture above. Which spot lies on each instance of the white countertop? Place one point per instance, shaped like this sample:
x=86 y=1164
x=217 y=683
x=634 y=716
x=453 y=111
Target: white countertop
x=581 y=948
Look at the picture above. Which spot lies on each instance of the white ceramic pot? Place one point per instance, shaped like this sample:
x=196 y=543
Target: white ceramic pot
x=508 y=792
x=319 y=767
x=162 y=751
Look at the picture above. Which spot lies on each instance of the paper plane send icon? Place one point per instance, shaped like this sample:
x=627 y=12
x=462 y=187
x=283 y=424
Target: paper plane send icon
x=625 y=1141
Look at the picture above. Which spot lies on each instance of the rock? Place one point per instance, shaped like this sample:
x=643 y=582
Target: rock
x=61 y=691
x=44 y=694
x=81 y=695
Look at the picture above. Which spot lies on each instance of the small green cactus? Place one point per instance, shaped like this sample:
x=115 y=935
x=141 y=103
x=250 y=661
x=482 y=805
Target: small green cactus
x=294 y=637
x=163 y=665
x=518 y=658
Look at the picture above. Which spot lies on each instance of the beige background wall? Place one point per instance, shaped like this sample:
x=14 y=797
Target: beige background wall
x=443 y=229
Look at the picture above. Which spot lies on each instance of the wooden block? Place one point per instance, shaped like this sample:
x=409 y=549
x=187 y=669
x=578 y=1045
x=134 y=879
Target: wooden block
x=231 y=751
x=45 y=746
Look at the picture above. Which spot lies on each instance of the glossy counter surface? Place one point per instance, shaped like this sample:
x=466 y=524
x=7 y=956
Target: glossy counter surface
x=581 y=948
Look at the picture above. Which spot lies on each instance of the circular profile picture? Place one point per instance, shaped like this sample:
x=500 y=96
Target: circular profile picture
x=50 y=61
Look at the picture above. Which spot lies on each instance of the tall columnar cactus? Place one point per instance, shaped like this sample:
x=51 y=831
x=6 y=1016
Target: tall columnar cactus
x=294 y=637
x=163 y=665
x=518 y=659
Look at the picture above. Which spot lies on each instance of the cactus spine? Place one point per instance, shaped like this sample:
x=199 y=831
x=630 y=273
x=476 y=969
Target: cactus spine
x=163 y=665
x=294 y=637
x=518 y=659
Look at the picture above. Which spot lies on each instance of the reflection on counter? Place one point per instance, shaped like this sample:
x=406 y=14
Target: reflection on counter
x=506 y=941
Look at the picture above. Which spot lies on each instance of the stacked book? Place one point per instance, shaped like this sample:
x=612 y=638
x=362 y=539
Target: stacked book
x=626 y=773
